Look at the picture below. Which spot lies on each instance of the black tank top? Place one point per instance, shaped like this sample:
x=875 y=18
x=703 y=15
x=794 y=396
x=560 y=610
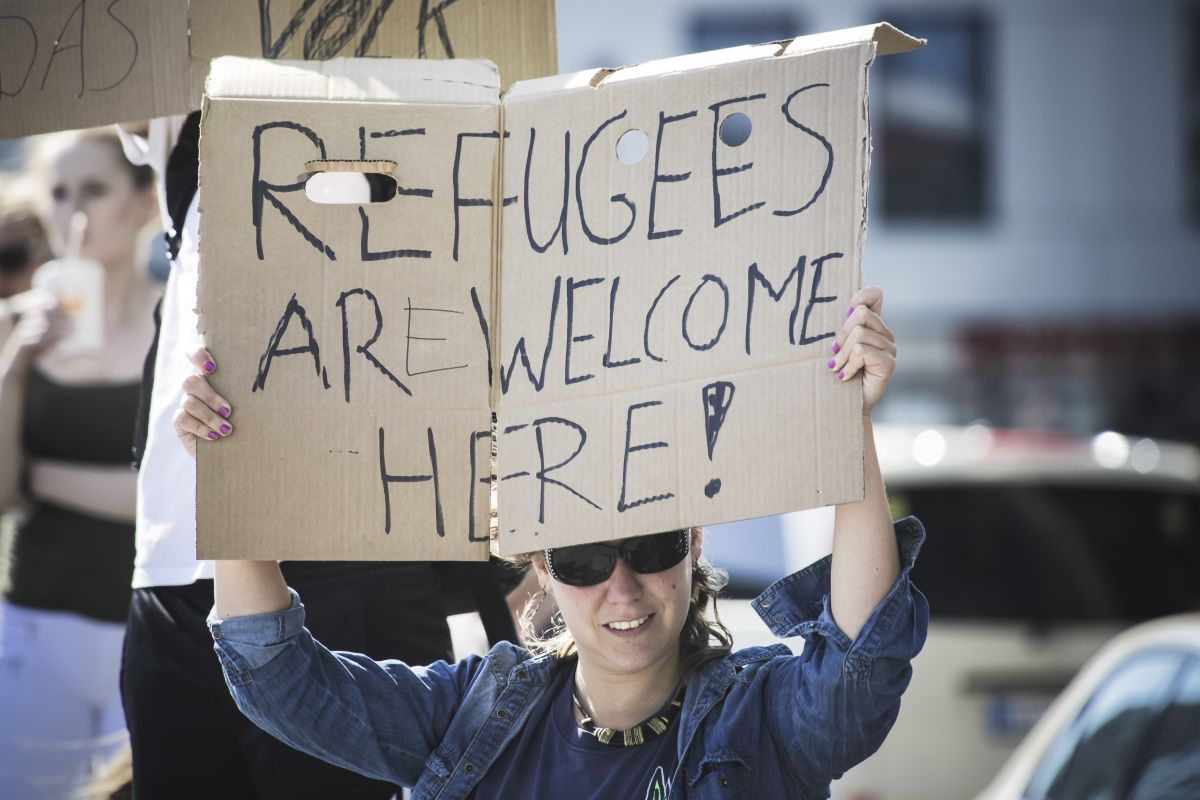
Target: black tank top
x=86 y=423
x=55 y=558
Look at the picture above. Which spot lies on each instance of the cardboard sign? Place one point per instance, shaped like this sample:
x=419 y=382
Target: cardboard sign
x=654 y=348
x=512 y=33
x=352 y=338
x=666 y=314
x=77 y=63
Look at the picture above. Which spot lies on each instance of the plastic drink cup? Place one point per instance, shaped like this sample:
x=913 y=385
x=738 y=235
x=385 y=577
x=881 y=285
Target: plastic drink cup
x=78 y=283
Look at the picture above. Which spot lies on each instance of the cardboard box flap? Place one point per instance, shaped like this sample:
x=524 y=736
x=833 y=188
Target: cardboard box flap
x=888 y=40
x=357 y=80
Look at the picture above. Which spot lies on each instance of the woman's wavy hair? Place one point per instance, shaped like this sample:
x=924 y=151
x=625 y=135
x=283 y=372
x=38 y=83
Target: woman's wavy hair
x=703 y=638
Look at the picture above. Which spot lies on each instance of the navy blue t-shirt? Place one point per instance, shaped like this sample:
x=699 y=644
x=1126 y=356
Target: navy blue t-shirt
x=553 y=757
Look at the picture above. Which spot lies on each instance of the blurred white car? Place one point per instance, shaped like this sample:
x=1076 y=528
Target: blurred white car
x=1040 y=548
x=1128 y=725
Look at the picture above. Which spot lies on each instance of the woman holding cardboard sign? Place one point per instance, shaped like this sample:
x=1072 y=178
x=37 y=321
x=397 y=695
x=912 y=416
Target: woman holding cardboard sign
x=639 y=694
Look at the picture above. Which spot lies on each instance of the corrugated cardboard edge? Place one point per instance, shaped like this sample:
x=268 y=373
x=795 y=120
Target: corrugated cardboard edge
x=202 y=453
x=493 y=312
x=494 y=300
x=357 y=80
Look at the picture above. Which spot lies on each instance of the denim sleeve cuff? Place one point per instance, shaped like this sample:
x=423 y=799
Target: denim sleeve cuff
x=798 y=604
x=259 y=630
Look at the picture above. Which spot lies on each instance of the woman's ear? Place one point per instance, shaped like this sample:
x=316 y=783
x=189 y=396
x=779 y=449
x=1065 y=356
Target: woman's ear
x=149 y=205
x=538 y=562
x=697 y=543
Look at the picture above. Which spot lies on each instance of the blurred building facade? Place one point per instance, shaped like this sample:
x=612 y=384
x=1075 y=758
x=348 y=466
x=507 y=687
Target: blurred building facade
x=1035 y=195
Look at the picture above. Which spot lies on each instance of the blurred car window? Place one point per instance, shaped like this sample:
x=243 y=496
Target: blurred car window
x=1172 y=767
x=1056 y=553
x=1089 y=758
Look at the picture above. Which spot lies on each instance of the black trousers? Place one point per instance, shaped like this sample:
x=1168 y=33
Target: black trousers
x=188 y=738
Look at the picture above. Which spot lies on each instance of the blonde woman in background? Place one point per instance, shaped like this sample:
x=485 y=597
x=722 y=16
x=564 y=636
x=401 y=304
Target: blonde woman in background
x=66 y=427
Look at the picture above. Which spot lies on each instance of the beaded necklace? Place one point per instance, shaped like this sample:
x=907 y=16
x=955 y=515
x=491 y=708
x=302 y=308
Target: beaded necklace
x=648 y=729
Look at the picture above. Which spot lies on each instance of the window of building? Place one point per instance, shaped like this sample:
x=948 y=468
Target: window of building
x=1192 y=114
x=713 y=29
x=931 y=115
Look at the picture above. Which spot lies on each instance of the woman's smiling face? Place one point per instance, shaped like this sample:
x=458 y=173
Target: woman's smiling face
x=631 y=622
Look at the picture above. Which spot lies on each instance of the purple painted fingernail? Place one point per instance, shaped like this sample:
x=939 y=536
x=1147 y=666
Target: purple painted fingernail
x=836 y=348
x=830 y=363
x=225 y=429
x=850 y=311
x=212 y=435
x=209 y=366
x=841 y=375
x=223 y=411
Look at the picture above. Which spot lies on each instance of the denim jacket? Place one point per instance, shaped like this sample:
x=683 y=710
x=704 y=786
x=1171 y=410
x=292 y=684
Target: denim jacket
x=760 y=722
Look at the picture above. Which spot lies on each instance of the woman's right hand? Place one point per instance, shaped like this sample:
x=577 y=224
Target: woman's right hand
x=42 y=323
x=203 y=415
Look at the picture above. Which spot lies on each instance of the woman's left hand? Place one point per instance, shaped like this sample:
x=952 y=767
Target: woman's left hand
x=865 y=345
x=202 y=414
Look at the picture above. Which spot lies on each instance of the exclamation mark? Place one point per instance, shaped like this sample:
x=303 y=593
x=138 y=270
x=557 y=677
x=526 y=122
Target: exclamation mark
x=717 y=399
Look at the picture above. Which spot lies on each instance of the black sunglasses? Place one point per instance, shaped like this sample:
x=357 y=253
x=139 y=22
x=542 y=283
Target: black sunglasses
x=589 y=564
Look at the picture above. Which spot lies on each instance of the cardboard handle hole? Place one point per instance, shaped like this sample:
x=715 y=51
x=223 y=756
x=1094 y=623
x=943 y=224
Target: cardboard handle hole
x=735 y=129
x=632 y=146
x=350 y=188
